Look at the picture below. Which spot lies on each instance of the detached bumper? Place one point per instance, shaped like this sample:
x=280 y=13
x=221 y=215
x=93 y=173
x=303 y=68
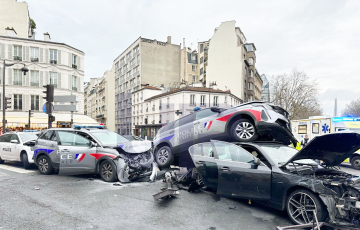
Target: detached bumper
x=276 y=131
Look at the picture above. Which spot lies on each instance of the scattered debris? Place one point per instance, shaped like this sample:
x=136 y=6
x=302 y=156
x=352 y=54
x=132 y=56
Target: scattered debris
x=91 y=179
x=37 y=188
x=168 y=191
x=232 y=207
x=117 y=184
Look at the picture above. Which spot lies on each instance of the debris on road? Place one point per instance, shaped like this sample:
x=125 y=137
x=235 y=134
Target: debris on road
x=168 y=191
x=117 y=184
x=37 y=188
x=91 y=179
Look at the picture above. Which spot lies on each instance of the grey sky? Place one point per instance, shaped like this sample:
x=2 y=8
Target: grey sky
x=319 y=37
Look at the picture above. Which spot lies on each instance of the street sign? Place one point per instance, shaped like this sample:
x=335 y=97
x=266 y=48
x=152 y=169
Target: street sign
x=177 y=112
x=65 y=108
x=48 y=108
x=66 y=98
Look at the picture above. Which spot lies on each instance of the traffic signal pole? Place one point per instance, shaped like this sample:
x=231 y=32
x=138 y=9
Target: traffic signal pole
x=3 y=96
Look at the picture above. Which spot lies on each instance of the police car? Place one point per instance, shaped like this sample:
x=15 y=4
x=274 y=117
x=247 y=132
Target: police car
x=16 y=146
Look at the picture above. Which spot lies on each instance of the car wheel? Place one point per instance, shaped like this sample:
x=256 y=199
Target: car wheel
x=243 y=130
x=301 y=204
x=44 y=165
x=25 y=161
x=1 y=161
x=108 y=171
x=355 y=162
x=164 y=157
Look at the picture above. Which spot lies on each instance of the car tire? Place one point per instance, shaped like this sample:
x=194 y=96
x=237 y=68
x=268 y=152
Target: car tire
x=107 y=171
x=355 y=162
x=44 y=165
x=310 y=201
x=25 y=160
x=1 y=161
x=243 y=130
x=164 y=157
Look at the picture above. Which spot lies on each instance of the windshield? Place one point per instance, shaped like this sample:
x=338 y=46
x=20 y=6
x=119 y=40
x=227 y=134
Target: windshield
x=109 y=138
x=28 y=136
x=282 y=154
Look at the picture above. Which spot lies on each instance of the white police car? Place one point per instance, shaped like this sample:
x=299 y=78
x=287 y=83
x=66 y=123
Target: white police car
x=16 y=146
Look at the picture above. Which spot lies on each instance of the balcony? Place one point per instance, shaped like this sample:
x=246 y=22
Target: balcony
x=36 y=84
x=17 y=82
x=74 y=66
x=34 y=59
x=53 y=62
x=159 y=107
x=153 y=108
x=192 y=103
x=17 y=58
x=74 y=88
x=202 y=104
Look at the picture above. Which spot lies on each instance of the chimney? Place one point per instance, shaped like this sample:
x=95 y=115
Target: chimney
x=10 y=32
x=47 y=37
x=168 y=40
x=184 y=42
x=216 y=29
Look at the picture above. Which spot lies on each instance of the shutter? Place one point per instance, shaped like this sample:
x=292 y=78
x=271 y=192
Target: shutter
x=70 y=88
x=78 y=84
x=10 y=56
x=9 y=76
x=23 y=55
x=59 y=81
x=27 y=58
x=26 y=106
x=46 y=78
x=59 y=57
x=70 y=59
x=2 y=51
x=41 y=79
x=41 y=55
x=46 y=56
x=40 y=102
x=78 y=62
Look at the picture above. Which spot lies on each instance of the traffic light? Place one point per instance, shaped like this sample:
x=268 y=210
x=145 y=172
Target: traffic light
x=49 y=93
x=30 y=113
x=52 y=118
x=7 y=102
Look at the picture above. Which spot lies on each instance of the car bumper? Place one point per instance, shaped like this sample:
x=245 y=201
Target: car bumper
x=276 y=131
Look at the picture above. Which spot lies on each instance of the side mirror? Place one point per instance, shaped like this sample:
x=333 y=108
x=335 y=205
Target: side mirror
x=93 y=144
x=14 y=141
x=216 y=109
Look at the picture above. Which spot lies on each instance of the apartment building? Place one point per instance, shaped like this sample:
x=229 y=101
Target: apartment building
x=144 y=62
x=257 y=86
x=229 y=61
x=99 y=99
x=189 y=71
x=163 y=107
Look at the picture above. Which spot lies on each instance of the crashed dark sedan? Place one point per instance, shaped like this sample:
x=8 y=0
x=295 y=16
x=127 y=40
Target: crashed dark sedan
x=284 y=178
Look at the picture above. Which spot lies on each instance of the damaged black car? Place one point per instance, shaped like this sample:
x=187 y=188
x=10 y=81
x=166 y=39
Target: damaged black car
x=281 y=177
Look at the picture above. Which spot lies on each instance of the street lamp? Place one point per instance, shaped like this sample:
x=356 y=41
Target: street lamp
x=24 y=70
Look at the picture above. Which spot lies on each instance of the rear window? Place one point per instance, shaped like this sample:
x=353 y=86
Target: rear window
x=167 y=127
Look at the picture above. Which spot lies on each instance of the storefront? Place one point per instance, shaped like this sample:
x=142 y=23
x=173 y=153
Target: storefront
x=149 y=130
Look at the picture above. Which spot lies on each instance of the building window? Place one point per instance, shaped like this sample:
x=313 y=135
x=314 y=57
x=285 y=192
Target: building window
x=201 y=48
x=128 y=55
x=201 y=71
x=73 y=61
x=125 y=67
x=53 y=79
x=202 y=100
x=136 y=49
x=193 y=67
x=245 y=85
x=192 y=99
x=194 y=79
x=250 y=86
x=138 y=58
x=34 y=78
x=17 y=102
x=34 y=102
x=117 y=65
x=53 y=56
x=17 y=77
x=251 y=73
x=216 y=101
x=251 y=61
x=122 y=61
x=34 y=54
x=18 y=53
x=132 y=62
x=201 y=60
x=73 y=83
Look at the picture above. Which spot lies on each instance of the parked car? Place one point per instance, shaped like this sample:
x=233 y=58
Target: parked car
x=80 y=150
x=244 y=123
x=284 y=178
x=16 y=146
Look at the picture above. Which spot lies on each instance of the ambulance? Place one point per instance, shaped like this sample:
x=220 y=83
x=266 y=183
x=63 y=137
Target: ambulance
x=320 y=125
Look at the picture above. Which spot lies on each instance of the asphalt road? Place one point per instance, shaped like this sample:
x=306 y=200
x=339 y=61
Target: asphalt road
x=29 y=200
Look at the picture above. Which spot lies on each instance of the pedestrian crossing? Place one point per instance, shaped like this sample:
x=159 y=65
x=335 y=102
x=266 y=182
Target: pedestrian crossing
x=15 y=168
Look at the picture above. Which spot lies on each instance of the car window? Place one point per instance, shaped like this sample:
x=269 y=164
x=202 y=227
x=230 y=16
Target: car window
x=5 y=138
x=203 y=113
x=49 y=135
x=185 y=120
x=27 y=136
x=227 y=151
x=72 y=139
x=15 y=137
x=202 y=149
x=166 y=127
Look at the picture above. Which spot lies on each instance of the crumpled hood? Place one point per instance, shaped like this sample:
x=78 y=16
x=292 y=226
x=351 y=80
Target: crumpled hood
x=332 y=148
x=136 y=146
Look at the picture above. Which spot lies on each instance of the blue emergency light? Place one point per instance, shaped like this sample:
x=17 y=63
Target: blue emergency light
x=89 y=127
x=346 y=119
x=30 y=131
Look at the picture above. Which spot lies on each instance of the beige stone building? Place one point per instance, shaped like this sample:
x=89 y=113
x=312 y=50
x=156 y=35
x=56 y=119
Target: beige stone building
x=14 y=14
x=203 y=48
x=144 y=62
x=100 y=99
x=258 y=86
x=189 y=71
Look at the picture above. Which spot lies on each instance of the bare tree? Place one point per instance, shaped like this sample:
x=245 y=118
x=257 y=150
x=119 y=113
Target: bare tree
x=352 y=109
x=296 y=93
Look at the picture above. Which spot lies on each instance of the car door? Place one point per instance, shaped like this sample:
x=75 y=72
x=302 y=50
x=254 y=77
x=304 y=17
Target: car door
x=238 y=176
x=75 y=154
x=5 y=147
x=185 y=132
x=202 y=126
x=47 y=143
x=203 y=157
x=14 y=153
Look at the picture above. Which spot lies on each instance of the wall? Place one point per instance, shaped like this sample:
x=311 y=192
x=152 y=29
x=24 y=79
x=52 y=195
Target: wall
x=14 y=14
x=110 y=100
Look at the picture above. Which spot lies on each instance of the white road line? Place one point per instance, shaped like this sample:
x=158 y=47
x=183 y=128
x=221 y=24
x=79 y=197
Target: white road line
x=15 y=169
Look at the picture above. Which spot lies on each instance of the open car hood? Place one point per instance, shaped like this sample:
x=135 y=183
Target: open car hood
x=332 y=148
x=136 y=146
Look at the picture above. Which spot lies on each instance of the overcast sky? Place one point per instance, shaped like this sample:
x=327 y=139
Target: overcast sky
x=319 y=37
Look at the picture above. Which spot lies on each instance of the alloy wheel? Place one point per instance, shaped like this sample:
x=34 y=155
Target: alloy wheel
x=357 y=163
x=43 y=165
x=163 y=156
x=301 y=207
x=245 y=130
x=107 y=171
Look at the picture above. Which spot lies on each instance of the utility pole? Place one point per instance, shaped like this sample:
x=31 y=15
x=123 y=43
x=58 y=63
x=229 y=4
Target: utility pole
x=72 y=112
x=30 y=114
x=49 y=106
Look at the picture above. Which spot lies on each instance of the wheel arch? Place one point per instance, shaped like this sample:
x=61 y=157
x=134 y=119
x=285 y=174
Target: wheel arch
x=292 y=189
x=102 y=159
x=161 y=144
x=354 y=155
x=237 y=116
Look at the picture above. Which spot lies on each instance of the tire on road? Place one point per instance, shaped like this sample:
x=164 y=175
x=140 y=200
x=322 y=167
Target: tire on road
x=355 y=162
x=301 y=198
x=44 y=165
x=164 y=157
x=243 y=130
x=1 y=161
x=107 y=171
x=25 y=160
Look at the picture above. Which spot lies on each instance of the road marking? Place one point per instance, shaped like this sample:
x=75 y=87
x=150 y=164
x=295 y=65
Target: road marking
x=15 y=169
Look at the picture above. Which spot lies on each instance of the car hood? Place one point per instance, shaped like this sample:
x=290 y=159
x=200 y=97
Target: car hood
x=136 y=146
x=332 y=148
